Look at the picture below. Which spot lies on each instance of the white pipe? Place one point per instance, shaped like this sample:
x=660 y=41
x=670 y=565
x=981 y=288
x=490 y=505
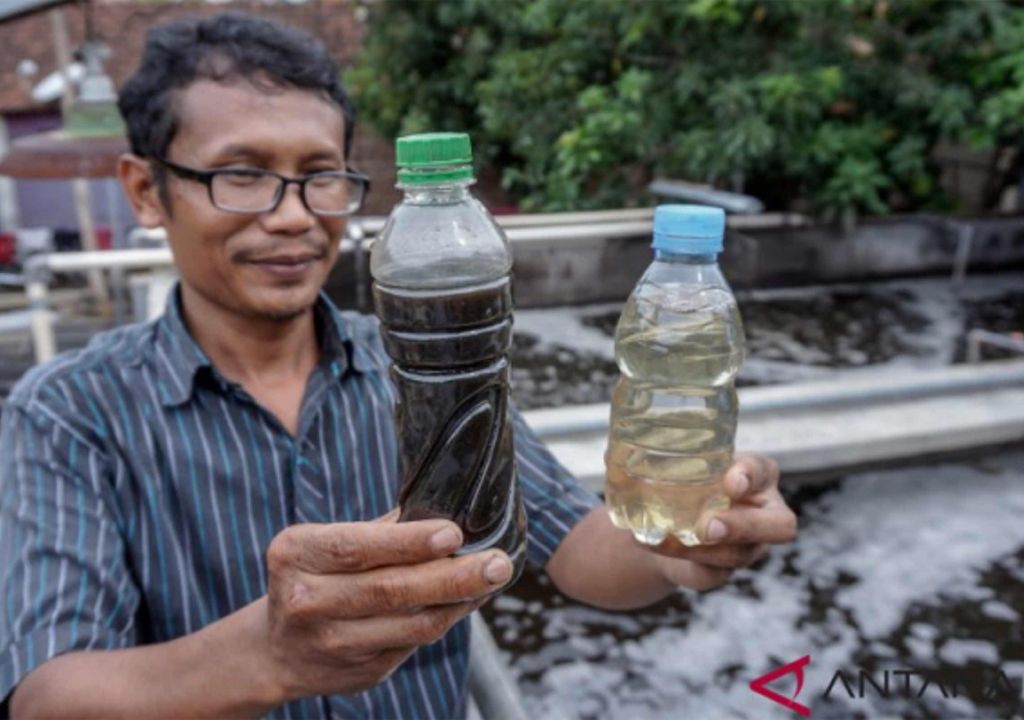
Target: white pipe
x=130 y=259
x=526 y=235
x=978 y=337
x=9 y=220
x=852 y=390
x=490 y=679
x=575 y=218
x=143 y=236
x=68 y=262
x=373 y=224
x=964 y=239
x=79 y=187
x=682 y=190
x=140 y=258
x=519 y=233
x=12 y=279
x=43 y=339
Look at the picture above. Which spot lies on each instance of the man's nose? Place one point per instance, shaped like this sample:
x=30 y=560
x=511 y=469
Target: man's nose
x=290 y=215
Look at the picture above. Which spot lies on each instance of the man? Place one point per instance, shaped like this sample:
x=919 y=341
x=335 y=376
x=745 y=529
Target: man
x=194 y=513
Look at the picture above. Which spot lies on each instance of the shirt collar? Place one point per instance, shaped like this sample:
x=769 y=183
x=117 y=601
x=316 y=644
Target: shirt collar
x=180 y=360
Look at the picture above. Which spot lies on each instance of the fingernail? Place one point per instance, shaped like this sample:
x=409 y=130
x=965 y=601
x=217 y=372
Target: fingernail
x=742 y=483
x=445 y=541
x=716 y=530
x=497 y=570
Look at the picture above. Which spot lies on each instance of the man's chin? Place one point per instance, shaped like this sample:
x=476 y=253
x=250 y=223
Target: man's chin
x=283 y=316
x=279 y=306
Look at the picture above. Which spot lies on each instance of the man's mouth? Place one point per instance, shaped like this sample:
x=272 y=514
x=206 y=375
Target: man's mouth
x=286 y=265
x=289 y=259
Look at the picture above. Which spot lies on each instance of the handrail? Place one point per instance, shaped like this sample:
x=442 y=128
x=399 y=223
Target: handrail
x=978 y=337
x=855 y=388
x=856 y=418
x=520 y=229
x=490 y=680
x=731 y=202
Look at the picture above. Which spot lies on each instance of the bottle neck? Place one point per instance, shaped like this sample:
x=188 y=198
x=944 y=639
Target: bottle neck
x=448 y=193
x=661 y=255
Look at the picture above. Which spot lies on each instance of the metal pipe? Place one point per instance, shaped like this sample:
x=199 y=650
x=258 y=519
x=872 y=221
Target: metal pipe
x=12 y=279
x=559 y=233
x=43 y=340
x=731 y=202
x=373 y=224
x=853 y=390
x=519 y=229
x=575 y=218
x=9 y=215
x=355 y=236
x=978 y=337
x=964 y=240
x=131 y=259
x=888 y=387
x=69 y=262
x=141 y=236
x=525 y=235
x=79 y=187
x=490 y=679
x=139 y=258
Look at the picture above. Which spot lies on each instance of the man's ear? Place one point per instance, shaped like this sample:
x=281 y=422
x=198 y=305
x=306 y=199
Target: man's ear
x=140 y=187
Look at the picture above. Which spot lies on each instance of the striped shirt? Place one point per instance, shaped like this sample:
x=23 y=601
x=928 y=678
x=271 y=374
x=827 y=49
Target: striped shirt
x=139 y=490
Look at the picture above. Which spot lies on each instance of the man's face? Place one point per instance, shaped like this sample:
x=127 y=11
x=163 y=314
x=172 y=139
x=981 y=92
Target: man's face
x=268 y=265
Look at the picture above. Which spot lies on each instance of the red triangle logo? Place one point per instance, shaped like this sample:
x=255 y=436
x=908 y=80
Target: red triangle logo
x=760 y=685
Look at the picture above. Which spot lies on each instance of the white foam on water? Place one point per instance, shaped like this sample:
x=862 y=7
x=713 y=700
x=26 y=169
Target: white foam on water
x=563 y=326
x=961 y=652
x=1000 y=611
x=880 y=543
x=937 y=300
x=894 y=539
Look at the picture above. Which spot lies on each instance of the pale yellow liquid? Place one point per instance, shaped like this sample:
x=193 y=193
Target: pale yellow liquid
x=673 y=412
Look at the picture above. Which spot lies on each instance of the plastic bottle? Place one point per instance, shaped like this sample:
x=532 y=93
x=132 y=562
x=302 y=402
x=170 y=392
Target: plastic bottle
x=678 y=344
x=442 y=290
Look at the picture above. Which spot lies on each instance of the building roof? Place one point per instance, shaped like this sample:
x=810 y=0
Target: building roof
x=123 y=25
x=16 y=8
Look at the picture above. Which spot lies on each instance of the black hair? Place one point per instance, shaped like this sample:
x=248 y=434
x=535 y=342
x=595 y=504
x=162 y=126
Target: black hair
x=223 y=47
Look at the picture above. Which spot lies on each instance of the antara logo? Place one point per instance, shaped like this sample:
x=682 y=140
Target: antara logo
x=760 y=685
x=988 y=687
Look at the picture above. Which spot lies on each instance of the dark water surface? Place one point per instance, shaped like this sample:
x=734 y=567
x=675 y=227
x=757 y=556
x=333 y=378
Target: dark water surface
x=915 y=570
x=885 y=576
x=792 y=334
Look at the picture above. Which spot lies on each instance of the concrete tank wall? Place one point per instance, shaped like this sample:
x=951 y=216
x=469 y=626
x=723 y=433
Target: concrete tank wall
x=759 y=253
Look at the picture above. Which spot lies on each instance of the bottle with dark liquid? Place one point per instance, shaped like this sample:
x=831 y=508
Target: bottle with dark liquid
x=442 y=290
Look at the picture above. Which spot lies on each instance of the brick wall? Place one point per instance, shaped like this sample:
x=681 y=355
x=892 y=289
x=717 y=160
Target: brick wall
x=123 y=25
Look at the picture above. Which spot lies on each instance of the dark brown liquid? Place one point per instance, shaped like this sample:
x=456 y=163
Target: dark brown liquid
x=450 y=353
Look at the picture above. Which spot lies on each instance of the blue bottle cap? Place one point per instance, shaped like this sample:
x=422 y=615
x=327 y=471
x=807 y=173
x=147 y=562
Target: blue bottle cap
x=690 y=229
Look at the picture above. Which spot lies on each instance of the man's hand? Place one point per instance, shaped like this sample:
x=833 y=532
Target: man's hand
x=736 y=537
x=349 y=602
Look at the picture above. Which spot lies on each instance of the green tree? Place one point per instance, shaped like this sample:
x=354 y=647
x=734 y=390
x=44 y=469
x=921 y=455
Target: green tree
x=831 y=106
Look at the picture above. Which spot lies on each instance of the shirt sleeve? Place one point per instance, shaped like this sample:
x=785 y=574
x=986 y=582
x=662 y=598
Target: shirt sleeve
x=554 y=499
x=64 y=580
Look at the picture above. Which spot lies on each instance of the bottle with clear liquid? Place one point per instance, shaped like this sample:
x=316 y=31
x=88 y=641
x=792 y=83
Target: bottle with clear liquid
x=678 y=344
x=442 y=290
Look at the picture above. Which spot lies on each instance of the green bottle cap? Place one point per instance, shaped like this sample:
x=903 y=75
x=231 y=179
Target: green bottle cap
x=432 y=158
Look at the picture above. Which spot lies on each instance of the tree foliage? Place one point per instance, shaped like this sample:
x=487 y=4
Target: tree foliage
x=833 y=106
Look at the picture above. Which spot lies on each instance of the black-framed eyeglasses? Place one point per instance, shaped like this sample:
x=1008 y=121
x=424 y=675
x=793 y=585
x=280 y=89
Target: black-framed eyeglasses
x=331 y=193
